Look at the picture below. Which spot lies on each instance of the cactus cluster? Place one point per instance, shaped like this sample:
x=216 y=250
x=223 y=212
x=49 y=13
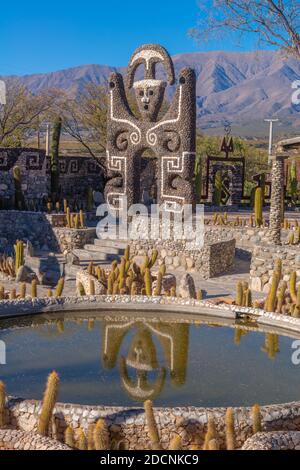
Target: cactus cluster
x=13 y=294
x=128 y=278
x=243 y=295
x=10 y=265
x=283 y=297
x=236 y=221
x=76 y=220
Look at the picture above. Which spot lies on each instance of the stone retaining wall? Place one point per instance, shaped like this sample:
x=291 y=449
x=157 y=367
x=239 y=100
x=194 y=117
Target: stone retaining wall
x=128 y=425
x=263 y=261
x=36 y=227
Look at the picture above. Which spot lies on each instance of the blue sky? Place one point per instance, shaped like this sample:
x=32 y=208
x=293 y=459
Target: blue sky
x=41 y=36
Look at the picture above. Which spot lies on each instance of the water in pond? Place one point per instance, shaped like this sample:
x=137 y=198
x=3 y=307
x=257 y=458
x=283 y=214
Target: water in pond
x=109 y=361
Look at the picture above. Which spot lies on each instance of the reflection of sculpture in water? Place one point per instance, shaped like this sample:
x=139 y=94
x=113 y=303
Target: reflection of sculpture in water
x=149 y=377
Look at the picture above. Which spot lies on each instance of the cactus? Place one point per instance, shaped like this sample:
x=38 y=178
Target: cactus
x=229 y=424
x=91 y=442
x=199 y=294
x=76 y=221
x=148 y=282
x=69 y=437
x=60 y=287
x=2 y=293
x=101 y=435
x=91 y=268
x=34 y=288
x=80 y=289
x=271 y=300
x=281 y=297
x=258 y=207
x=19 y=197
x=2 y=405
x=248 y=298
x=293 y=291
x=152 y=427
x=154 y=256
x=19 y=255
x=13 y=294
x=133 y=290
x=211 y=432
x=65 y=203
x=81 y=440
x=69 y=218
x=22 y=290
x=81 y=218
x=239 y=294
x=256 y=419
x=158 y=287
x=49 y=400
x=54 y=157
x=127 y=253
x=173 y=291
x=163 y=269
x=92 y=287
x=175 y=443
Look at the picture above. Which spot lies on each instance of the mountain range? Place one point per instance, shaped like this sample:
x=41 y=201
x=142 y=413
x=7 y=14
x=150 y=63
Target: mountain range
x=240 y=87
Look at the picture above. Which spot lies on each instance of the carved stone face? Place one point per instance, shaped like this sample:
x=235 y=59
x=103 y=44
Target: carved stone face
x=149 y=95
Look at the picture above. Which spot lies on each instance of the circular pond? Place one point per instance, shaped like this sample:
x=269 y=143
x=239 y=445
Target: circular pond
x=115 y=360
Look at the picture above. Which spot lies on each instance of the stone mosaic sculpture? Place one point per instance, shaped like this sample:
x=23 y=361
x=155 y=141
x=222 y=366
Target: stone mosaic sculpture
x=171 y=138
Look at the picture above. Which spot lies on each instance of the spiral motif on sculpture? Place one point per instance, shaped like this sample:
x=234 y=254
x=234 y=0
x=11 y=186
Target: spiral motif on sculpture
x=135 y=138
x=152 y=138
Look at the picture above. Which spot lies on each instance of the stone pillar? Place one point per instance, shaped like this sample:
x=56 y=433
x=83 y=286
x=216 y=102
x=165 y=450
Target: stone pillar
x=277 y=196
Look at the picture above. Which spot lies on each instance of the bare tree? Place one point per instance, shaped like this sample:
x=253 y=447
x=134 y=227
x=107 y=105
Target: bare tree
x=84 y=119
x=275 y=22
x=20 y=113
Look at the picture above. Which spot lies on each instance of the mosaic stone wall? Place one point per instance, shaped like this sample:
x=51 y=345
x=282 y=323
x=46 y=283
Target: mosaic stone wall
x=77 y=174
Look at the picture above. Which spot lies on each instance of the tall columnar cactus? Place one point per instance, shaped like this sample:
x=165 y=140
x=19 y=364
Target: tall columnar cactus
x=54 y=157
x=158 y=284
x=262 y=184
x=258 y=207
x=49 y=400
x=19 y=254
x=69 y=218
x=229 y=425
x=60 y=287
x=175 y=443
x=217 y=194
x=293 y=182
x=34 y=288
x=239 y=294
x=152 y=426
x=23 y=290
x=90 y=439
x=271 y=300
x=81 y=443
x=256 y=419
x=101 y=435
x=69 y=437
x=210 y=433
x=293 y=289
x=148 y=282
x=81 y=218
x=2 y=405
x=19 y=196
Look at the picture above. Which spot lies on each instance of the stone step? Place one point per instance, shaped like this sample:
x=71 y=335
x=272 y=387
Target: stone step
x=104 y=249
x=120 y=244
x=88 y=256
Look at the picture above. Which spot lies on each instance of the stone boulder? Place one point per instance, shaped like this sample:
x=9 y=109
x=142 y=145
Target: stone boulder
x=168 y=281
x=26 y=274
x=186 y=288
x=84 y=278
